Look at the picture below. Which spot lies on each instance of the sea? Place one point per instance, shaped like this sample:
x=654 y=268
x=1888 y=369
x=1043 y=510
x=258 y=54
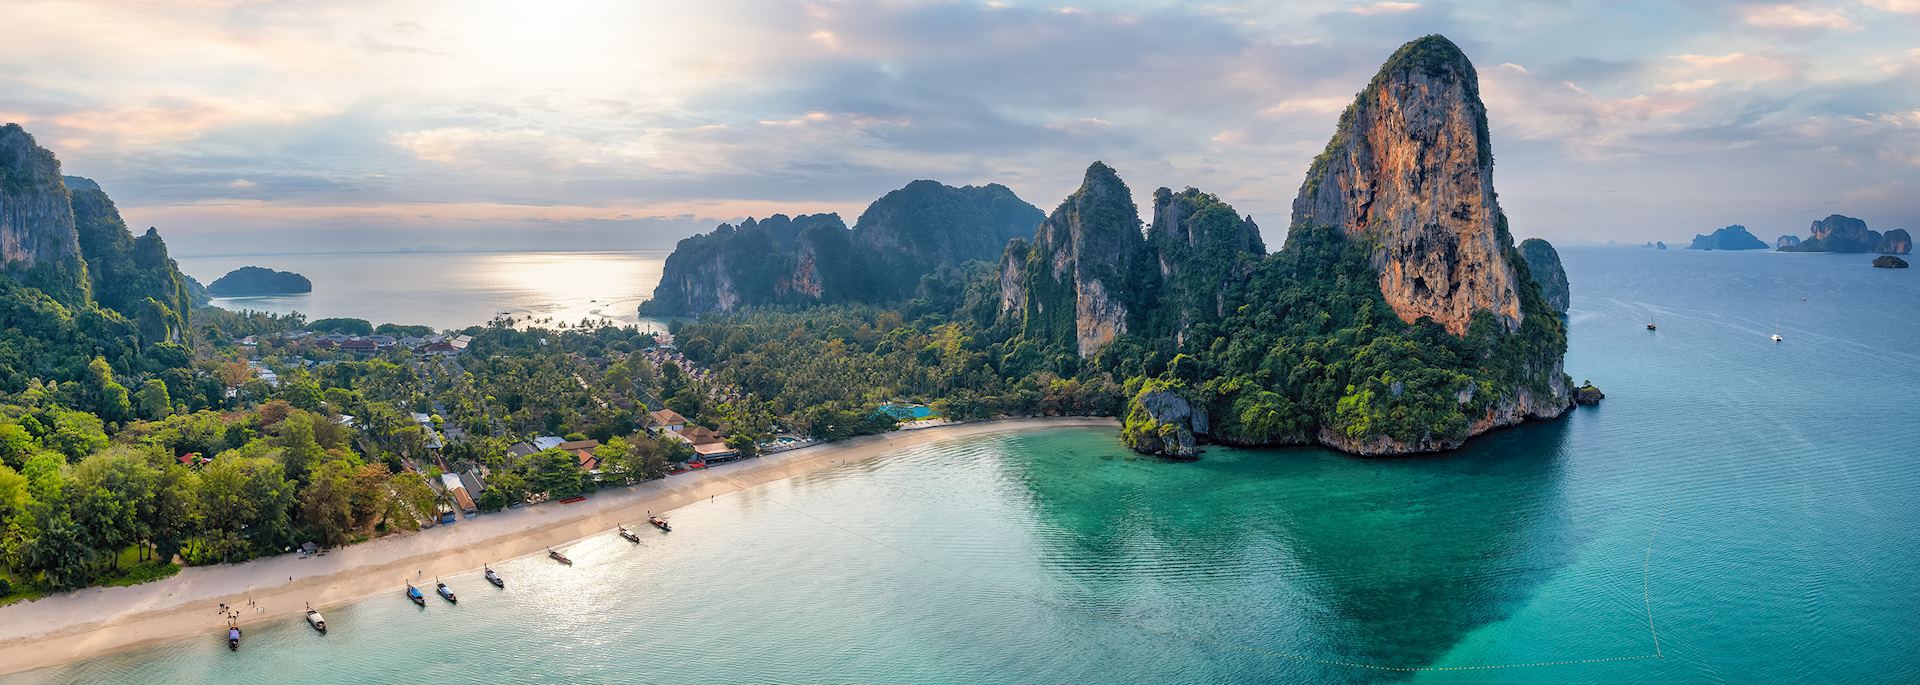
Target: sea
x=450 y=290
x=1736 y=511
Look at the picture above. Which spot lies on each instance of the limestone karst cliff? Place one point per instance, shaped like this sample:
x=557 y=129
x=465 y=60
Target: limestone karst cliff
x=1895 y=241
x=1204 y=249
x=926 y=226
x=130 y=275
x=1410 y=168
x=776 y=260
x=38 y=244
x=1544 y=263
x=1838 y=233
x=1086 y=270
x=1786 y=241
x=921 y=229
x=78 y=284
x=1398 y=318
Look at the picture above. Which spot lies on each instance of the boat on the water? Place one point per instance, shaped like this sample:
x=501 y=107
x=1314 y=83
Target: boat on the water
x=233 y=638
x=628 y=534
x=446 y=593
x=314 y=619
x=413 y=593
x=495 y=578
x=556 y=556
x=660 y=523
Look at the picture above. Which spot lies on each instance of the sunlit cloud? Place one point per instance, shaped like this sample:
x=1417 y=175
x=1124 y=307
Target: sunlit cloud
x=1307 y=105
x=1799 y=17
x=1384 y=8
x=1901 y=6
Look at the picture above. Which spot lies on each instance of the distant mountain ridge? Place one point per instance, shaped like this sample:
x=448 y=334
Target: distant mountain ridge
x=906 y=235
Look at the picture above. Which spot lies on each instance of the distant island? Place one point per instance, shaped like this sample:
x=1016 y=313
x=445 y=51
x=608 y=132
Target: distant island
x=1889 y=262
x=1838 y=233
x=248 y=281
x=1784 y=241
x=1733 y=237
x=1661 y=245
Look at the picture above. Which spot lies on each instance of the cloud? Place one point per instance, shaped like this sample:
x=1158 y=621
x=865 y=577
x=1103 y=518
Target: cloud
x=1900 y=6
x=596 y=109
x=1690 y=86
x=1799 y=17
x=1308 y=105
x=1083 y=125
x=173 y=120
x=826 y=38
x=1735 y=67
x=1384 y=8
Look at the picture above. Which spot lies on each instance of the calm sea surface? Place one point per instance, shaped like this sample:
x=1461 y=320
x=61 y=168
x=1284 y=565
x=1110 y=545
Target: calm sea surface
x=1737 y=511
x=453 y=289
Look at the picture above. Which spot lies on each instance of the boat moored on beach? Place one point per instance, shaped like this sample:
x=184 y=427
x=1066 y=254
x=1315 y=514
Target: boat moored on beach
x=446 y=593
x=414 y=594
x=556 y=556
x=660 y=523
x=495 y=578
x=233 y=638
x=628 y=534
x=315 y=620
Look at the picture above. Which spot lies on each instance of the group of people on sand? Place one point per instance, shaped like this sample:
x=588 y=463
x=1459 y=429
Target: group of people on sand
x=233 y=613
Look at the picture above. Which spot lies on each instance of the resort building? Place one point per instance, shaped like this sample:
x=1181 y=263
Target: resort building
x=708 y=446
x=665 y=420
x=588 y=462
x=457 y=490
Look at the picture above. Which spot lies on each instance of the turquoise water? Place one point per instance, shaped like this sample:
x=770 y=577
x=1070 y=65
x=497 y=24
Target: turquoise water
x=1737 y=511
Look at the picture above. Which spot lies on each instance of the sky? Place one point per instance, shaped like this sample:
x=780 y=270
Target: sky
x=242 y=127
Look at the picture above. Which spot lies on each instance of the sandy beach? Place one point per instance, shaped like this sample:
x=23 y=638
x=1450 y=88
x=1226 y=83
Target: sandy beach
x=94 y=621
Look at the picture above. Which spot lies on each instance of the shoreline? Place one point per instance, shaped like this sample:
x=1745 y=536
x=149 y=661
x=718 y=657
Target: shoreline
x=92 y=622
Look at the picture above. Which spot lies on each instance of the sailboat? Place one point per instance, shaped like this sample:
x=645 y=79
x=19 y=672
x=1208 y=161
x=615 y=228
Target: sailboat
x=1651 y=325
